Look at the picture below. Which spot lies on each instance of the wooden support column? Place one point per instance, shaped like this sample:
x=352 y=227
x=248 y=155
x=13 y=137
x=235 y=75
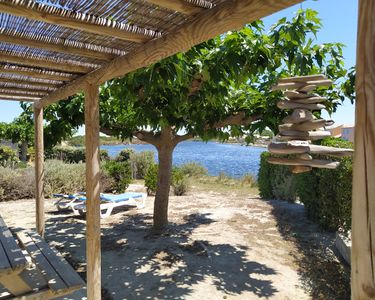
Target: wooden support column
x=363 y=214
x=39 y=170
x=93 y=250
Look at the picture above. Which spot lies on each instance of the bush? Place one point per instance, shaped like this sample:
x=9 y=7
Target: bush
x=193 y=169
x=179 y=182
x=141 y=162
x=8 y=156
x=70 y=154
x=16 y=183
x=249 y=180
x=275 y=181
x=64 y=178
x=325 y=193
x=120 y=172
x=151 y=179
x=125 y=155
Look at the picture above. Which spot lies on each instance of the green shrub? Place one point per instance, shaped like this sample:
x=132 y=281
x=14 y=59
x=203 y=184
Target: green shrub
x=64 y=178
x=120 y=172
x=180 y=182
x=325 y=193
x=125 y=155
x=275 y=181
x=141 y=162
x=193 y=169
x=16 y=183
x=8 y=156
x=151 y=179
x=70 y=154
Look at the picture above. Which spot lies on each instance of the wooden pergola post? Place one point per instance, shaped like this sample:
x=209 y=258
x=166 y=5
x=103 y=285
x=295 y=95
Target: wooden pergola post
x=93 y=250
x=39 y=170
x=363 y=214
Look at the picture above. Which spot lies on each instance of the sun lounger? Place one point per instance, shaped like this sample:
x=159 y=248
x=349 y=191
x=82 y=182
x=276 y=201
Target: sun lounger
x=66 y=202
x=109 y=202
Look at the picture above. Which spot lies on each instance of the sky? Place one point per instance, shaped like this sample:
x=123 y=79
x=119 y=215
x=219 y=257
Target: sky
x=339 y=19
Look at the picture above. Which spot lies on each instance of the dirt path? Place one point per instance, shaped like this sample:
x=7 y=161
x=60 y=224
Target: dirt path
x=219 y=246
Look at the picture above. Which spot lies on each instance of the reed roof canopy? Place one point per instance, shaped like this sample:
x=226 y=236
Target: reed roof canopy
x=51 y=49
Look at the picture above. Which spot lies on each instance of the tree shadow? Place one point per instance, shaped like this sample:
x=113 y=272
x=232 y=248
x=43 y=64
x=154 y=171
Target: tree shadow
x=138 y=264
x=321 y=271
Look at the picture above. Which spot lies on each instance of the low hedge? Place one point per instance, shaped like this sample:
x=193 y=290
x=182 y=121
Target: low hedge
x=325 y=193
x=70 y=154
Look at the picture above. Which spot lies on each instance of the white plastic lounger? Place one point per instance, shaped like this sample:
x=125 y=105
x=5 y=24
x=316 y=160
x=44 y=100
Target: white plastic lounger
x=109 y=202
x=66 y=202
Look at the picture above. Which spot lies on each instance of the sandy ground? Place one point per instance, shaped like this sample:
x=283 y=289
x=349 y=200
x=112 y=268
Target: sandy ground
x=223 y=245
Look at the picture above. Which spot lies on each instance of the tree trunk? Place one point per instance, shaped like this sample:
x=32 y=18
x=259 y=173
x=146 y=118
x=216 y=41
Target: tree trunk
x=23 y=151
x=165 y=152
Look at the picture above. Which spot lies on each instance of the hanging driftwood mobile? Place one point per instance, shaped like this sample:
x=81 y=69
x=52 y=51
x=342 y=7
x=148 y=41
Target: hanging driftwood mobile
x=301 y=127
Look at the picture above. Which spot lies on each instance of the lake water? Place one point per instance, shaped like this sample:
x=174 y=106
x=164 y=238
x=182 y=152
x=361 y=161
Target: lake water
x=232 y=159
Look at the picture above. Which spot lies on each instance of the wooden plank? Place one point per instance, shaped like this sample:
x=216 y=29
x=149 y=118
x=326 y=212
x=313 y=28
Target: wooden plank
x=206 y=25
x=25 y=91
x=56 y=47
x=315 y=163
x=17 y=100
x=93 y=249
x=18 y=97
x=5 y=267
x=301 y=85
x=302 y=78
x=296 y=148
x=181 y=6
x=27 y=81
x=63 y=269
x=363 y=209
x=15 y=284
x=295 y=105
x=13 y=252
x=36 y=73
x=55 y=282
x=15 y=92
x=39 y=170
x=61 y=65
x=310 y=100
x=306 y=126
x=74 y=20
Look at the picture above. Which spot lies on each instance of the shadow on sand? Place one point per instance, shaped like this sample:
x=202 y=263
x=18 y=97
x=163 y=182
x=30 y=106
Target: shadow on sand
x=322 y=274
x=136 y=264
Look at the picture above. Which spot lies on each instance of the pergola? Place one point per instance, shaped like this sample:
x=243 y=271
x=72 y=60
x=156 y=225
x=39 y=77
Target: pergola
x=50 y=50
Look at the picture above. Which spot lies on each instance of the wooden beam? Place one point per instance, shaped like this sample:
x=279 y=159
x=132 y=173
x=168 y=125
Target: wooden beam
x=23 y=89
x=363 y=207
x=19 y=98
x=36 y=73
x=24 y=92
x=36 y=84
x=1 y=99
x=61 y=65
x=56 y=47
x=182 y=6
x=208 y=24
x=93 y=250
x=39 y=170
x=58 y=16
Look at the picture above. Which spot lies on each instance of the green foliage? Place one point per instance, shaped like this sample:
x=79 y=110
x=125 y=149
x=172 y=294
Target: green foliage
x=151 y=178
x=125 y=155
x=79 y=141
x=120 y=172
x=193 y=169
x=8 y=156
x=180 y=182
x=274 y=181
x=249 y=180
x=325 y=193
x=16 y=183
x=70 y=154
x=141 y=162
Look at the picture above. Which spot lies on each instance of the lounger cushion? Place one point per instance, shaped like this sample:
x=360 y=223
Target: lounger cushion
x=120 y=197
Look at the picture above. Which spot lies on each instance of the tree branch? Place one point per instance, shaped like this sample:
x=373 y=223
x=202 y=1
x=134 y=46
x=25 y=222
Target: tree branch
x=196 y=84
x=235 y=119
x=107 y=131
x=147 y=137
x=181 y=138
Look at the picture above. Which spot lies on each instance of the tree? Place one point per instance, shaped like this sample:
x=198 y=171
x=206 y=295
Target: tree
x=218 y=89
x=20 y=131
